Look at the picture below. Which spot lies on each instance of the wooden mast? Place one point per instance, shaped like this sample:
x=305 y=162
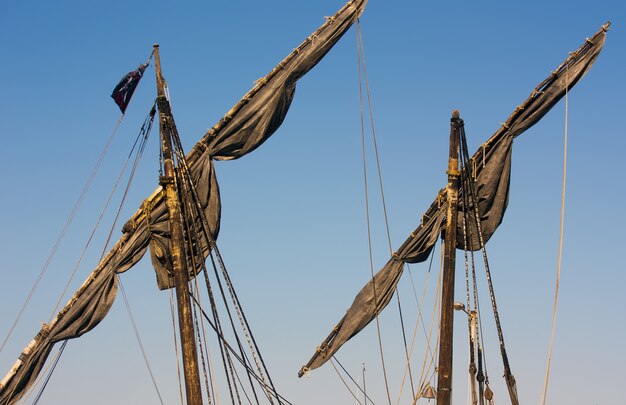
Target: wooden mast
x=179 y=260
x=444 y=369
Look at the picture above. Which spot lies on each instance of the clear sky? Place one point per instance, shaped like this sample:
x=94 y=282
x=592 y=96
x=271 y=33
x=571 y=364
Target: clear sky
x=293 y=225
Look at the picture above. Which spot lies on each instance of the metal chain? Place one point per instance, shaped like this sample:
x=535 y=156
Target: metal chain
x=487 y=269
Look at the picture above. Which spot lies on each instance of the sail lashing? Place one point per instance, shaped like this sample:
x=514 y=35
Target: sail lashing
x=243 y=129
x=492 y=164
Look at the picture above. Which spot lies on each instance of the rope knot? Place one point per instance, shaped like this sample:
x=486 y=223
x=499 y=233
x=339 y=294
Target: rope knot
x=44 y=332
x=202 y=147
x=440 y=199
x=261 y=81
x=321 y=350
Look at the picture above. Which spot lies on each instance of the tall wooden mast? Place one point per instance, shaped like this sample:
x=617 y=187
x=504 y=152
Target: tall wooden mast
x=444 y=370
x=179 y=260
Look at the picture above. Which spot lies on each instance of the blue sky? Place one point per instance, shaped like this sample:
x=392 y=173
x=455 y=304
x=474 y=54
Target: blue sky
x=293 y=225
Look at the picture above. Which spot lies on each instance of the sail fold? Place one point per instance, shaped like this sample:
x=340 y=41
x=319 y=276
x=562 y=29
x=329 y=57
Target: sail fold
x=157 y=228
x=491 y=168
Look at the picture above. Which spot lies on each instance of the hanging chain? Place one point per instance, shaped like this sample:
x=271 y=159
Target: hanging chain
x=510 y=380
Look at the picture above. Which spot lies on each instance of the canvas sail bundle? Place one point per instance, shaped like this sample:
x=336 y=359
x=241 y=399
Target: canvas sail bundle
x=492 y=166
x=83 y=312
x=244 y=128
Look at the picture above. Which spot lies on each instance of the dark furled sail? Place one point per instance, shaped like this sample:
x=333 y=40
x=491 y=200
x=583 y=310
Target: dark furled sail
x=492 y=164
x=244 y=128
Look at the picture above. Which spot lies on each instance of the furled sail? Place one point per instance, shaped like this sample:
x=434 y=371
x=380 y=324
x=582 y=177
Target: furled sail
x=244 y=128
x=492 y=164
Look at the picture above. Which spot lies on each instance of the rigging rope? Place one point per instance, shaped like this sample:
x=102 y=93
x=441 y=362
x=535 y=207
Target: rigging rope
x=186 y=187
x=426 y=374
x=223 y=349
x=351 y=378
x=510 y=379
x=204 y=348
x=193 y=239
x=142 y=139
x=194 y=206
x=39 y=377
x=65 y=227
x=49 y=374
x=419 y=321
x=231 y=290
x=361 y=62
x=143 y=136
x=217 y=324
x=145 y=130
x=434 y=320
x=173 y=317
x=474 y=315
x=560 y=254
x=232 y=350
x=63 y=232
x=136 y=330
x=344 y=382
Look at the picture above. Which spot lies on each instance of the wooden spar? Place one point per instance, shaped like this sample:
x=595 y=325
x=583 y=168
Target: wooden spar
x=197 y=150
x=177 y=244
x=444 y=379
x=572 y=58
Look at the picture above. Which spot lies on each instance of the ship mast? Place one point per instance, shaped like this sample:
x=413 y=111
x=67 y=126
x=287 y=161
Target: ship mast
x=444 y=379
x=167 y=127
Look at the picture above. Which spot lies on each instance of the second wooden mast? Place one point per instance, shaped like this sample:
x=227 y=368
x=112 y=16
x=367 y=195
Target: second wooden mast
x=444 y=381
